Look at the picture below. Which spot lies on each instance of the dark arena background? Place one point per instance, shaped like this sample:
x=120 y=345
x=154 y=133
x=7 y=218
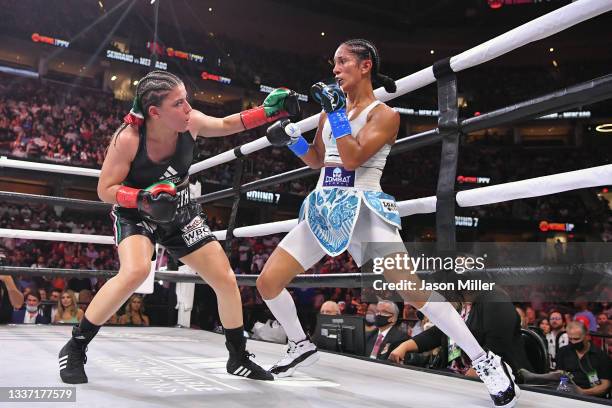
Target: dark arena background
x=503 y=156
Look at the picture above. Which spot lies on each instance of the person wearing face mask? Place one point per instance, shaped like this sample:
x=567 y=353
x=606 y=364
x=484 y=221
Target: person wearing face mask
x=370 y=317
x=589 y=366
x=31 y=314
x=381 y=342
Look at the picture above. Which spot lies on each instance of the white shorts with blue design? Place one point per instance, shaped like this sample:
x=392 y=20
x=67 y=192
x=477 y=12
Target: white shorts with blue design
x=337 y=217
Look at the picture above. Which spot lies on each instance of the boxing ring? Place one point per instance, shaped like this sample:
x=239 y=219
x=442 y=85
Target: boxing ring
x=161 y=367
x=164 y=366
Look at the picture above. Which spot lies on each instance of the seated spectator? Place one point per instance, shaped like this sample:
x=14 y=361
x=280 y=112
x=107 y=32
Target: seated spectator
x=602 y=320
x=67 y=309
x=134 y=312
x=10 y=298
x=589 y=366
x=421 y=325
x=544 y=325
x=85 y=297
x=380 y=343
x=54 y=297
x=522 y=316
x=370 y=318
x=330 y=308
x=583 y=311
x=493 y=321
x=32 y=313
x=557 y=337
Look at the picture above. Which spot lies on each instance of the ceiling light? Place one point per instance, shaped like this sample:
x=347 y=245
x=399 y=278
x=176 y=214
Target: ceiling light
x=604 y=128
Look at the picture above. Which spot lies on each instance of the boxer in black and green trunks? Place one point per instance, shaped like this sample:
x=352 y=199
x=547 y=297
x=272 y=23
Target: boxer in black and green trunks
x=145 y=174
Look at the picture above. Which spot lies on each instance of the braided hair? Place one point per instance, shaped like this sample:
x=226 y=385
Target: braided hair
x=363 y=50
x=152 y=89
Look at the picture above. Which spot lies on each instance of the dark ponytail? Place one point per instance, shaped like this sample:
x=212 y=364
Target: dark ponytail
x=364 y=49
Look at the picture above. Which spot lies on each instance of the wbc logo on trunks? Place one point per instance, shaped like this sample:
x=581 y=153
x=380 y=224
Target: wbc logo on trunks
x=195 y=231
x=338 y=177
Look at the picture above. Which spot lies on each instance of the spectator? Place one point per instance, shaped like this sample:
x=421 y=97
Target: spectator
x=32 y=313
x=380 y=343
x=589 y=366
x=544 y=325
x=421 y=324
x=134 y=312
x=330 y=308
x=67 y=309
x=583 y=310
x=55 y=298
x=557 y=337
x=602 y=320
x=494 y=322
x=85 y=297
x=522 y=316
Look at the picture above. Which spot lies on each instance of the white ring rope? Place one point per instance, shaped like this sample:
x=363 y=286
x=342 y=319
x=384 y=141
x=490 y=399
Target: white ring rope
x=533 y=187
x=537 y=29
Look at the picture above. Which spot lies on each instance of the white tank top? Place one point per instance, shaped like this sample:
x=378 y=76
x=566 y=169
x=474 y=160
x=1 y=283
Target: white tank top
x=369 y=173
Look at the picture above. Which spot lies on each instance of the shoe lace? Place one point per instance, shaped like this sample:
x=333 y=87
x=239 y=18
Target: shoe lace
x=489 y=375
x=248 y=355
x=83 y=355
x=291 y=349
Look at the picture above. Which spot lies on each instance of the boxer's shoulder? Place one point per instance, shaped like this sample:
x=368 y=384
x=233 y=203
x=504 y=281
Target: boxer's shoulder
x=126 y=141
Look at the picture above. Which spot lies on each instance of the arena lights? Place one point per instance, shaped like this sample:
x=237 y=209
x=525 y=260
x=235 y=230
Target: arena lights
x=268 y=89
x=212 y=77
x=604 y=128
x=50 y=40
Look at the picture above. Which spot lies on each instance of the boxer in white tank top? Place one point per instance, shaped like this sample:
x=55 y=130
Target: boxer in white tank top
x=348 y=209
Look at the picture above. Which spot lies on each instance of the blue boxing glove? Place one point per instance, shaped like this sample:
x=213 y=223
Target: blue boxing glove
x=285 y=133
x=333 y=102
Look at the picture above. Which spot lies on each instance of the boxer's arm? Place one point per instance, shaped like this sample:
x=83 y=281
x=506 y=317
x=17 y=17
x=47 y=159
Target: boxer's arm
x=316 y=153
x=380 y=129
x=14 y=294
x=116 y=166
x=208 y=126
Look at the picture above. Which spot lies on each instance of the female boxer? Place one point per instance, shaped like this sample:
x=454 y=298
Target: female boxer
x=349 y=211
x=145 y=174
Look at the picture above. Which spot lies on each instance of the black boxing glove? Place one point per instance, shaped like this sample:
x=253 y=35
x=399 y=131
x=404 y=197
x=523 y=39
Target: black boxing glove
x=157 y=203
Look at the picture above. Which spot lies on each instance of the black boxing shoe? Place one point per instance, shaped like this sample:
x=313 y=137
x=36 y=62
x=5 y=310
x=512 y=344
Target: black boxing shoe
x=72 y=359
x=240 y=364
